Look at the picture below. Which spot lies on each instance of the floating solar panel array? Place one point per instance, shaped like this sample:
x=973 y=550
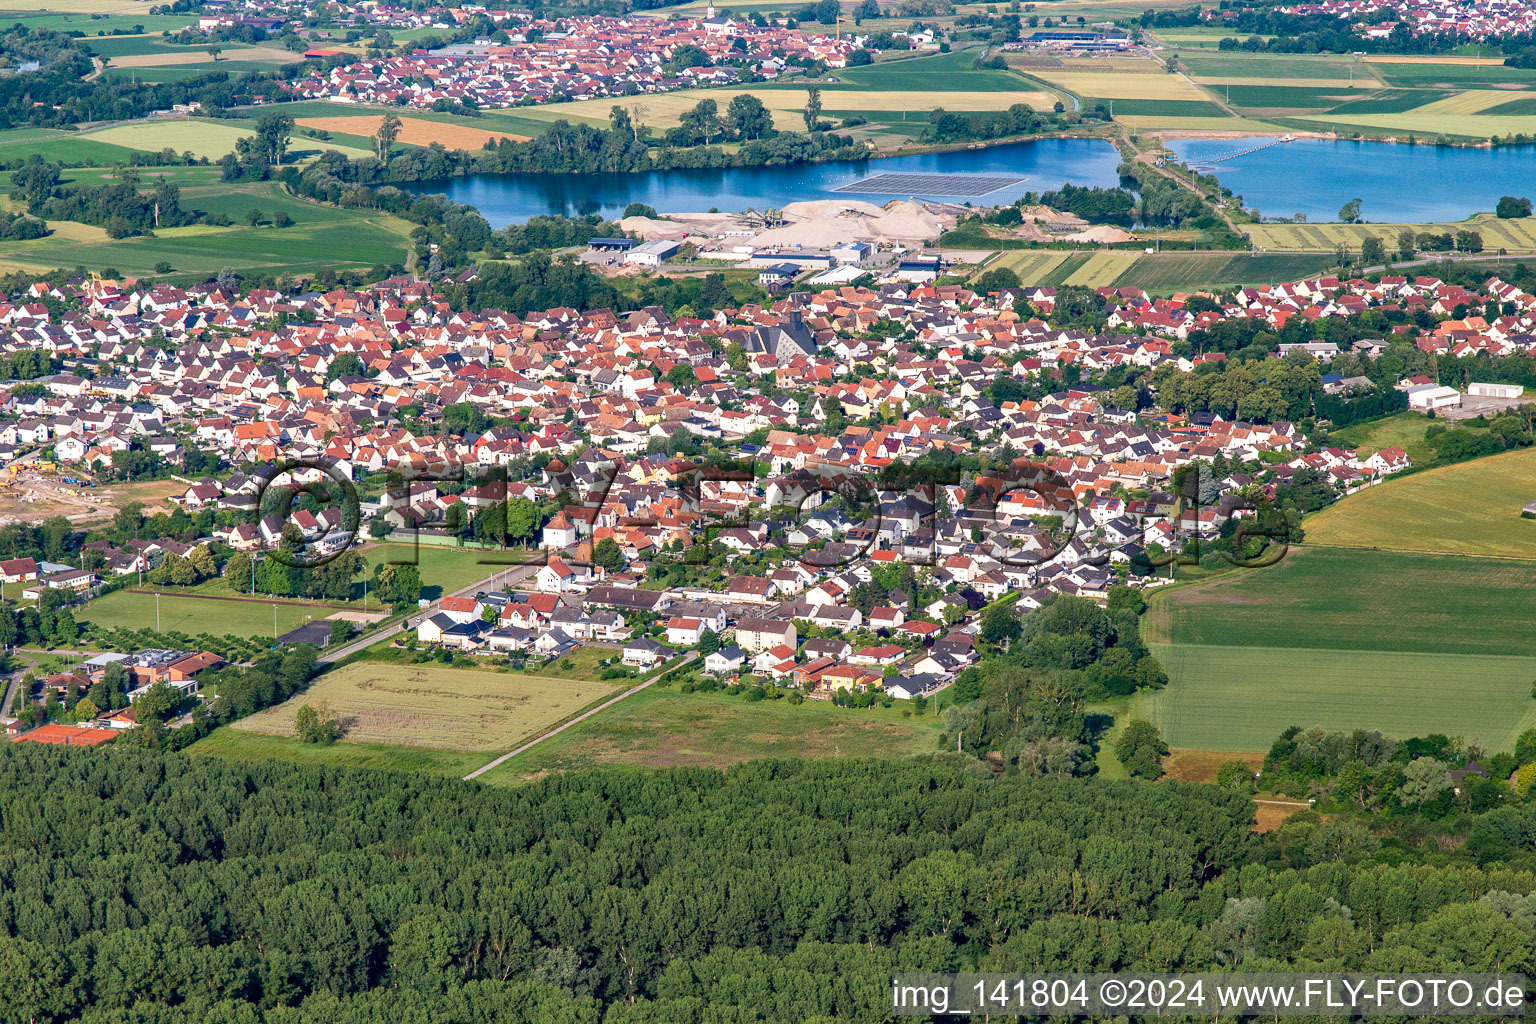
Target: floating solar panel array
x=966 y=185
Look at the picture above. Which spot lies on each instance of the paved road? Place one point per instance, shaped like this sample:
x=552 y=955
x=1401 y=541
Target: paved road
x=10 y=692
x=557 y=730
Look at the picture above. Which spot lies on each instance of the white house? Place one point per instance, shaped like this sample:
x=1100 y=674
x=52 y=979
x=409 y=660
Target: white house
x=726 y=659
x=644 y=653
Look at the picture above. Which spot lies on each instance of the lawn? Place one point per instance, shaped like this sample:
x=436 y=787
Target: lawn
x=238 y=745
x=1469 y=508
x=1240 y=698
x=435 y=706
x=664 y=728
x=1350 y=599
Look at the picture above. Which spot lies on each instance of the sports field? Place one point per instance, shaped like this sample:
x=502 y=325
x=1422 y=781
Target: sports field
x=1514 y=235
x=660 y=728
x=199 y=614
x=1240 y=698
x=1469 y=508
x=434 y=705
x=1350 y=599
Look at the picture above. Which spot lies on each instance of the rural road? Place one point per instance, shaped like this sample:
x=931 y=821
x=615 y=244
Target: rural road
x=557 y=730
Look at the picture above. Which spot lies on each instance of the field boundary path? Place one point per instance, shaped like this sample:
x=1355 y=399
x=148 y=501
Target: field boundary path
x=557 y=730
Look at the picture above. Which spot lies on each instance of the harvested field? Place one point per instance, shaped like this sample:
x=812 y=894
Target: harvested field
x=1184 y=764
x=1271 y=814
x=161 y=60
x=414 y=131
x=664 y=109
x=435 y=706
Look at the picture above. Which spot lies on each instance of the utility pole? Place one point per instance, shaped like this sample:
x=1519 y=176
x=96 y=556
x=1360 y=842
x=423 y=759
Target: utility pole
x=157 y=611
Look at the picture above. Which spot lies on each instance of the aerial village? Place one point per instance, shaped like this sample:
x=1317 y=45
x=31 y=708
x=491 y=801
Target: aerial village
x=551 y=60
x=1496 y=19
x=610 y=424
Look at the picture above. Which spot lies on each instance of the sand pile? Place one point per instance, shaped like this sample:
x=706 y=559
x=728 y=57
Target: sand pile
x=823 y=223
x=1102 y=233
x=679 y=225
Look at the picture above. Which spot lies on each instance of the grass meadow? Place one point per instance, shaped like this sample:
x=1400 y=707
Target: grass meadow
x=240 y=745
x=660 y=728
x=1404 y=430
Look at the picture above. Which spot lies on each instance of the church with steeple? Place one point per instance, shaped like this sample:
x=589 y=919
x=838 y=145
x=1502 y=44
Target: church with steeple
x=713 y=22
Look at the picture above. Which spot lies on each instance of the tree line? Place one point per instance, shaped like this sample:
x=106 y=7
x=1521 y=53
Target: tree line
x=148 y=886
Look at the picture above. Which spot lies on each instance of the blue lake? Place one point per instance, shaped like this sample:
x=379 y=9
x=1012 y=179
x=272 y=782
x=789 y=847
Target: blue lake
x=512 y=198
x=1396 y=182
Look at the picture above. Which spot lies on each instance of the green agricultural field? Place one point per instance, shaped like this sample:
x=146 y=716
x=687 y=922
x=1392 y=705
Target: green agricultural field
x=194 y=615
x=136 y=45
x=202 y=138
x=185 y=72
x=1160 y=273
x=238 y=745
x=944 y=72
x=309 y=245
x=660 y=728
x=1284 y=97
x=1470 y=508
x=1348 y=599
x=1264 y=66
x=436 y=706
x=1240 y=698
x=1392 y=101
x=71 y=150
x=1465 y=76
x=92 y=24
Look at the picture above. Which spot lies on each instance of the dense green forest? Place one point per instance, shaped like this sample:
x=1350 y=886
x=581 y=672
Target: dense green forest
x=139 y=886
